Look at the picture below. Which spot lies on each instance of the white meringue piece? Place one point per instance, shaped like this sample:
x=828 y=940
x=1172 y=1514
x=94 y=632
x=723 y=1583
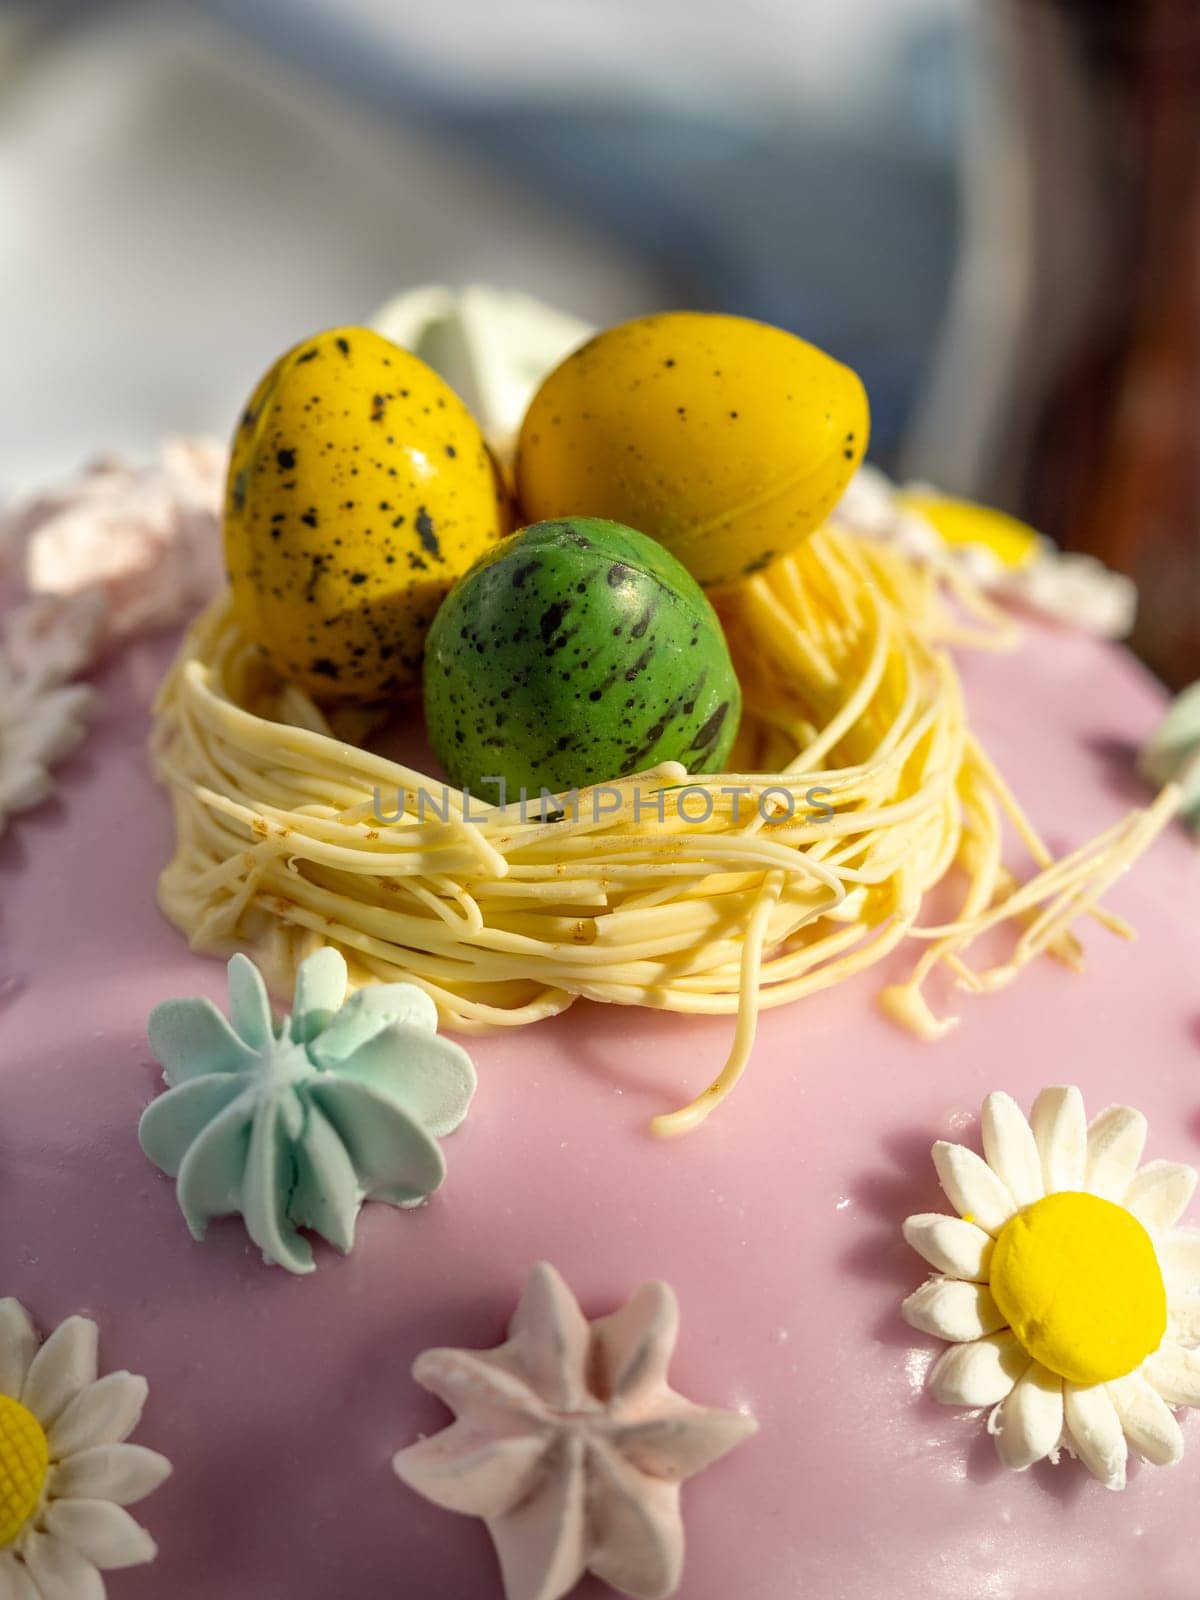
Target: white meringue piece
x=1066 y=586
x=492 y=346
x=570 y=1444
x=147 y=539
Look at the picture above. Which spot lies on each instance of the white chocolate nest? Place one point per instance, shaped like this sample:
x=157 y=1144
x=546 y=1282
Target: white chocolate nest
x=749 y=899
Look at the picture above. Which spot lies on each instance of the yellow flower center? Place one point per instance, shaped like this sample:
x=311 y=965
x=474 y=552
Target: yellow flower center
x=24 y=1463
x=961 y=522
x=1078 y=1281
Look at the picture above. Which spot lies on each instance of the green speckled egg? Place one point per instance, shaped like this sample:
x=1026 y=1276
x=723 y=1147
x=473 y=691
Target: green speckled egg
x=576 y=652
x=360 y=489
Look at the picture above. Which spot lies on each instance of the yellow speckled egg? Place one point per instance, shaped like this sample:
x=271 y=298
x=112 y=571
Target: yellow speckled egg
x=360 y=490
x=725 y=439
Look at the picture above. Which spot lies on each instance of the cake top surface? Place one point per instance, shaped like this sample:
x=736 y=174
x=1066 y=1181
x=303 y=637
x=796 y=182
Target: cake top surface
x=790 y=624
x=778 y=1226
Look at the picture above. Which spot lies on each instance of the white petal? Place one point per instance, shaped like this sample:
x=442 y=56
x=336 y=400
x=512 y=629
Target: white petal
x=65 y=1364
x=15 y=1582
x=122 y=1473
x=1179 y=1257
x=1175 y=1373
x=1059 y=1124
x=953 y=1310
x=18 y=1341
x=106 y=1412
x=1183 y=1319
x=1097 y=1437
x=957 y=1248
x=1159 y=1194
x=1011 y=1151
x=104 y=1533
x=971 y=1186
x=979 y=1373
x=1030 y=1422
x=1116 y=1140
x=60 y=1571
x=1148 y=1421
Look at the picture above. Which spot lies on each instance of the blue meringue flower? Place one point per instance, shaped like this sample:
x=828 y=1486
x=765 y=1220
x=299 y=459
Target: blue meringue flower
x=1172 y=754
x=293 y=1124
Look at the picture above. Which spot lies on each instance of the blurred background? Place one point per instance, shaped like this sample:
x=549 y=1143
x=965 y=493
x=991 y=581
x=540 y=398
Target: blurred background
x=991 y=208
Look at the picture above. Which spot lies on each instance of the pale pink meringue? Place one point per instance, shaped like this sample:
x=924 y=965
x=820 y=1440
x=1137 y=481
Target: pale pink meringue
x=147 y=539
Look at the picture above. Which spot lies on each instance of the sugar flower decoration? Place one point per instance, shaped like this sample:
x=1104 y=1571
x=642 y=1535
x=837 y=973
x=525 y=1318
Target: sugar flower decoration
x=66 y=1472
x=570 y=1444
x=294 y=1123
x=998 y=554
x=494 y=346
x=1172 y=754
x=1070 y=1299
x=43 y=715
x=145 y=540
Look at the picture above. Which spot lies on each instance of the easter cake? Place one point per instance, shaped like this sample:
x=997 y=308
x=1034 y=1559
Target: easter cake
x=490 y=1107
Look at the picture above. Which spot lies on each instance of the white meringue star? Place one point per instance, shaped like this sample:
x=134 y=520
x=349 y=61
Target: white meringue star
x=570 y=1444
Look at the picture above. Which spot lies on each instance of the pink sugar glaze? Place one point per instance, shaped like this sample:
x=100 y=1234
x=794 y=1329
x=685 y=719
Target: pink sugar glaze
x=281 y=1400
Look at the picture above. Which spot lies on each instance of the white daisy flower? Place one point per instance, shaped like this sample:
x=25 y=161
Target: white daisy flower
x=65 y=1471
x=1070 y=1299
x=1003 y=557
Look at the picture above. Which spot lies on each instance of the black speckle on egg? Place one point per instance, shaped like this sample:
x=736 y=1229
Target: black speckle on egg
x=711 y=730
x=638 y=630
x=522 y=571
x=427 y=534
x=639 y=666
x=551 y=619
